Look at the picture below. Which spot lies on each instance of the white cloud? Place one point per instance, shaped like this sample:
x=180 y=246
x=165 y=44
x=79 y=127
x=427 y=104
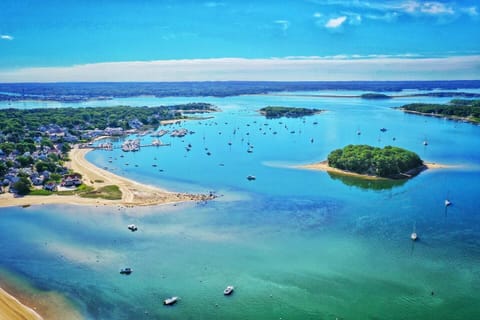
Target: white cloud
x=335 y=68
x=436 y=8
x=6 y=37
x=335 y=22
x=472 y=11
x=284 y=24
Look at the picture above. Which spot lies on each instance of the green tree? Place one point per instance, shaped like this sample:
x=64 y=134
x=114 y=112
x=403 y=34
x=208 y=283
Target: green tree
x=22 y=186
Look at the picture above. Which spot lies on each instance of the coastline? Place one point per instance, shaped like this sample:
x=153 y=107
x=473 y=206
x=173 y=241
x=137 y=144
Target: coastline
x=133 y=193
x=12 y=309
x=453 y=118
x=323 y=166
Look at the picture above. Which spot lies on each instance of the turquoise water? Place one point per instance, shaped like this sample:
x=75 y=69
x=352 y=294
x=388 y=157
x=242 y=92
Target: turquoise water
x=296 y=244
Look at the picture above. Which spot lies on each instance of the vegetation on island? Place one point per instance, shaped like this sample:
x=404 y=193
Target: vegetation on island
x=290 y=112
x=34 y=143
x=374 y=96
x=388 y=162
x=457 y=108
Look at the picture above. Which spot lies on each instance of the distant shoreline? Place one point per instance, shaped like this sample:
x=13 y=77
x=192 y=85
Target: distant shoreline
x=133 y=193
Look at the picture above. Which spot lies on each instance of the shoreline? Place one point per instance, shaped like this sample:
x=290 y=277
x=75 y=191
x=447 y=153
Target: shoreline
x=323 y=166
x=133 y=193
x=11 y=308
x=441 y=116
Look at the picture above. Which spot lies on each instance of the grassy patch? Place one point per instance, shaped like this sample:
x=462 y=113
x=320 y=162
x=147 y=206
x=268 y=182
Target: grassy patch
x=40 y=192
x=108 y=192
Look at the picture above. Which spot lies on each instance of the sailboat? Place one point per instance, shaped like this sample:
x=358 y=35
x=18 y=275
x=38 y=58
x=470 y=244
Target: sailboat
x=414 y=235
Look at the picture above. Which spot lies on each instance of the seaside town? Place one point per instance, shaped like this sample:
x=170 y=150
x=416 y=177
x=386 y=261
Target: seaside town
x=33 y=159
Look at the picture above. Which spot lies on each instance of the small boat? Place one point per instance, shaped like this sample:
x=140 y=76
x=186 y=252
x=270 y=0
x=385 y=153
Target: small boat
x=126 y=271
x=132 y=227
x=425 y=143
x=447 y=203
x=383 y=129
x=170 y=301
x=250 y=178
x=414 y=236
x=228 y=290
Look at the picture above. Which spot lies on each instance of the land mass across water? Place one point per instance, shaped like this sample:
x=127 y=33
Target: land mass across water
x=272 y=112
x=456 y=109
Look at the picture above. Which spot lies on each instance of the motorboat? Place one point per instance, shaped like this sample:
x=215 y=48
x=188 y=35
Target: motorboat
x=447 y=203
x=414 y=236
x=132 y=227
x=250 y=178
x=126 y=271
x=170 y=301
x=228 y=290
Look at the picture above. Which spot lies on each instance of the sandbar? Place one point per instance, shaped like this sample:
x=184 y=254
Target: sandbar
x=133 y=193
x=323 y=166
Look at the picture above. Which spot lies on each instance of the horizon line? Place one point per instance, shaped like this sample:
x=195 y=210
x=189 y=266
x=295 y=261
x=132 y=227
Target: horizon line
x=377 y=68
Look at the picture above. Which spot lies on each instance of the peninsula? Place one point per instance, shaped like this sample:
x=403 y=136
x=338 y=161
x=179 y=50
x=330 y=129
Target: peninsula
x=456 y=109
x=272 y=112
x=39 y=166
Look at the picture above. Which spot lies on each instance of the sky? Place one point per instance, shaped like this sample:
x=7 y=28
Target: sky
x=142 y=40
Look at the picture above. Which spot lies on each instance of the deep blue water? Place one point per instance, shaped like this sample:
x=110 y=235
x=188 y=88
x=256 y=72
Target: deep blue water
x=296 y=244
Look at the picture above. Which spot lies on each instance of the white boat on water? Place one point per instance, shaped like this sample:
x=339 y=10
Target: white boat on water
x=132 y=227
x=228 y=290
x=447 y=203
x=251 y=178
x=170 y=301
x=414 y=235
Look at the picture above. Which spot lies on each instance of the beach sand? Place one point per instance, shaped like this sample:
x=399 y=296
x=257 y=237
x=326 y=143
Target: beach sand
x=12 y=309
x=133 y=193
x=323 y=166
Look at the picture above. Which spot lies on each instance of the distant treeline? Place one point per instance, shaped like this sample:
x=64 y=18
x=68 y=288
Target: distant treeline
x=289 y=112
x=14 y=121
x=73 y=92
x=383 y=162
x=466 y=109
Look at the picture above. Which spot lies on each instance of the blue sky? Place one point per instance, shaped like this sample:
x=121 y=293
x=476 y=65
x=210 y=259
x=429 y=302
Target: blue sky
x=239 y=40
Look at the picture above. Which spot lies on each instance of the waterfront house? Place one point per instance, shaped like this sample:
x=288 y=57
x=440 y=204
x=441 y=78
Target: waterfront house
x=51 y=186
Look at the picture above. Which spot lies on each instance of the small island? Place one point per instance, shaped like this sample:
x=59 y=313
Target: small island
x=364 y=161
x=272 y=112
x=375 y=96
x=456 y=109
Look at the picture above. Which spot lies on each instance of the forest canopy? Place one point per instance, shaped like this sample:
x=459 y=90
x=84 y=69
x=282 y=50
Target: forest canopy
x=383 y=162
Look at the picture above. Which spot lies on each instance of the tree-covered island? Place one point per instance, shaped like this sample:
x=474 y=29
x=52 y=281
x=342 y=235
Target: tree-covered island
x=34 y=143
x=272 y=112
x=457 y=109
x=389 y=162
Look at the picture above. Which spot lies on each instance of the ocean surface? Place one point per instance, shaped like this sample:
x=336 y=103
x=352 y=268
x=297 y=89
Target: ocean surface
x=296 y=244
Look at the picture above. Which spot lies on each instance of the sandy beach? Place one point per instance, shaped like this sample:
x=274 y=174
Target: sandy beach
x=12 y=309
x=133 y=193
x=323 y=166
